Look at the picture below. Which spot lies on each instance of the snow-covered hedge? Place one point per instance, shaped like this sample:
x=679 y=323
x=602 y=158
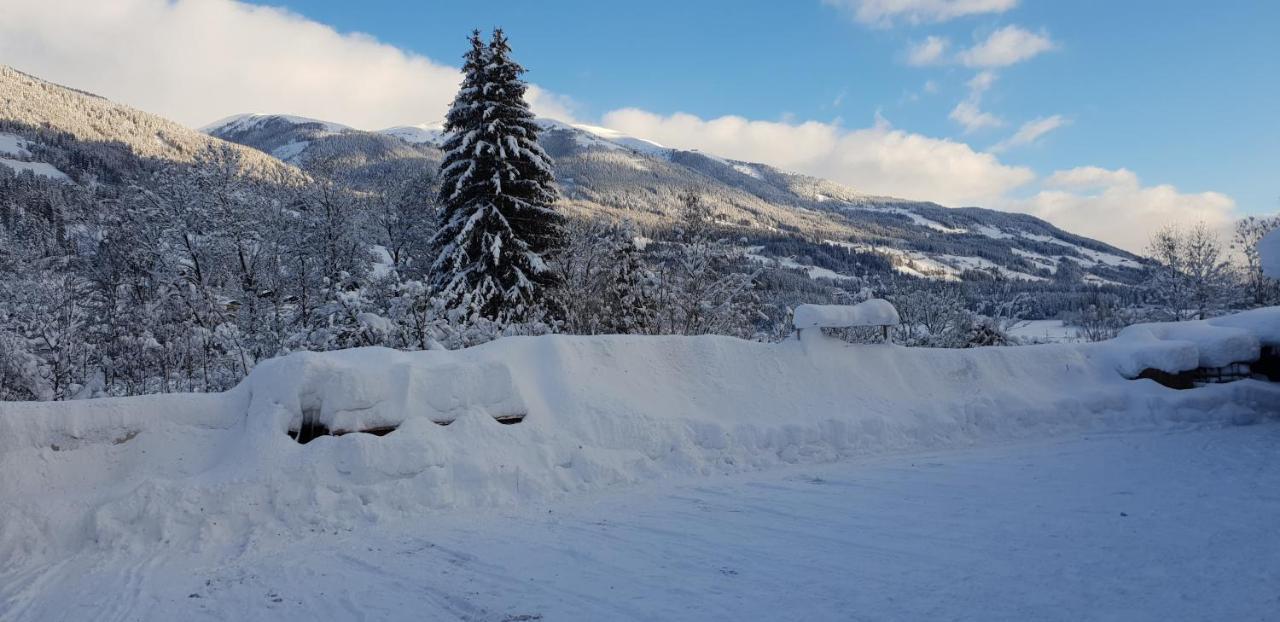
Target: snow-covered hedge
x=215 y=469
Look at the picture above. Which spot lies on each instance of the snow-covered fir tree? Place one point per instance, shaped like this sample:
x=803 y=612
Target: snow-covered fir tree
x=498 y=226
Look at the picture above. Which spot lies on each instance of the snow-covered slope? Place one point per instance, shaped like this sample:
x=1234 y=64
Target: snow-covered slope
x=311 y=142
x=423 y=133
x=194 y=471
x=33 y=108
x=602 y=170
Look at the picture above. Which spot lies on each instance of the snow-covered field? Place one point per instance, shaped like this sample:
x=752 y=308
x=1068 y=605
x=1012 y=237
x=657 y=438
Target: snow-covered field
x=1044 y=331
x=634 y=477
x=1158 y=525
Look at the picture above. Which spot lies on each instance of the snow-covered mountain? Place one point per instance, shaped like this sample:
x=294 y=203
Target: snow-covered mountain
x=795 y=220
x=601 y=170
x=42 y=124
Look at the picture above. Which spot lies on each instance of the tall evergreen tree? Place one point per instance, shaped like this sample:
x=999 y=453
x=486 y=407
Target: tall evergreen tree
x=498 y=226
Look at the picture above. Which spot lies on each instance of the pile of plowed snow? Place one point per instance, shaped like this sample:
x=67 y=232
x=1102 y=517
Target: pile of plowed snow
x=222 y=469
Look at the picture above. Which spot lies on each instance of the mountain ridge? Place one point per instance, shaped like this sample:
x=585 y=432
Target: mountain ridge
x=600 y=170
x=32 y=106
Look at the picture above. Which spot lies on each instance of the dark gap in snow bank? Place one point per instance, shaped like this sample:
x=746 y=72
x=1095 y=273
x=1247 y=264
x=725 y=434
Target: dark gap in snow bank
x=1268 y=364
x=314 y=431
x=1180 y=380
x=1265 y=368
x=311 y=428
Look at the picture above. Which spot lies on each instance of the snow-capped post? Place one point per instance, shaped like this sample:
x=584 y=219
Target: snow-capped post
x=498 y=226
x=1269 y=253
x=875 y=312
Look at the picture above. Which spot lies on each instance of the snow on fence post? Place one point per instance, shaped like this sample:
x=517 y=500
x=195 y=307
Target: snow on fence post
x=874 y=312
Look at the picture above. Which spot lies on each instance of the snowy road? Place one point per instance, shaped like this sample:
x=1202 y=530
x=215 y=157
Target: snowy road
x=1155 y=525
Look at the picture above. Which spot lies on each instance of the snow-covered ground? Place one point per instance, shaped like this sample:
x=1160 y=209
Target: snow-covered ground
x=1044 y=331
x=639 y=477
x=813 y=272
x=1170 y=524
x=14 y=145
x=42 y=169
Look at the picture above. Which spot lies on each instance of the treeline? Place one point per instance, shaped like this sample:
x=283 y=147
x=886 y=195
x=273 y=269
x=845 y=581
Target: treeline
x=182 y=276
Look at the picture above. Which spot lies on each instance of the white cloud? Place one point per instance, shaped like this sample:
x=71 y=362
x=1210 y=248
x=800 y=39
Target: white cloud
x=1030 y=132
x=1091 y=178
x=876 y=160
x=1006 y=46
x=928 y=52
x=968 y=114
x=1113 y=206
x=982 y=82
x=198 y=60
x=887 y=12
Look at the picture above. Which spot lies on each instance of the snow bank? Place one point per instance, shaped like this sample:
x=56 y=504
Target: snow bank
x=875 y=312
x=1181 y=346
x=196 y=471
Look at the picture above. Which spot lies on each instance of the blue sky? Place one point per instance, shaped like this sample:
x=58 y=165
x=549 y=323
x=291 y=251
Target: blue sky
x=1180 y=92
x=1109 y=119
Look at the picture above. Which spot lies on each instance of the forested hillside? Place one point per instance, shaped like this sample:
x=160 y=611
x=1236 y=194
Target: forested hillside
x=138 y=256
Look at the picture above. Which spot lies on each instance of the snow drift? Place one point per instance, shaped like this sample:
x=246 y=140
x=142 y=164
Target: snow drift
x=221 y=469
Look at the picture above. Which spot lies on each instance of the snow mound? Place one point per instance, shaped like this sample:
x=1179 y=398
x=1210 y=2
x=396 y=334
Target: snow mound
x=536 y=418
x=875 y=312
x=1181 y=346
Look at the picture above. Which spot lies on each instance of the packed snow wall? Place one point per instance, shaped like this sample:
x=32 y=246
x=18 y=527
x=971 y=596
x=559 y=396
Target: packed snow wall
x=528 y=419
